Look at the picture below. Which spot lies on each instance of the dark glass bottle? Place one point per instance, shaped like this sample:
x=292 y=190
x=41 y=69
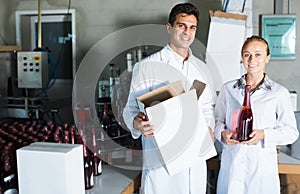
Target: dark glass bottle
x=78 y=137
x=66 y=138
x=9 y=182
x=88 y=166
x=106 y=120
x=244 y=128
x=97 y=165
x=57 y=135
x=97 y=162
x=72 y=136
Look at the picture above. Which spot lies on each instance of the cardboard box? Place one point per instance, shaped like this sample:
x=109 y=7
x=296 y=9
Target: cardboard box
x=227 y=32
x=50 y=168
x=181 y=132
x=10 y=48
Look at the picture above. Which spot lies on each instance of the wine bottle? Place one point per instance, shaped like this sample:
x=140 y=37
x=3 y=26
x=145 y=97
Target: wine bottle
x=111 y=79
x=106 y=120
x=97 y=165
x=97 y=162
x=72 y=136
x=88 y=166
x=66 y=138
x=245 y=118
x=129 y=59
x=9 y=182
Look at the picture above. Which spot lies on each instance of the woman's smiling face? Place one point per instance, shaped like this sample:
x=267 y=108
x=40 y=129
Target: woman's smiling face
x=255 y=57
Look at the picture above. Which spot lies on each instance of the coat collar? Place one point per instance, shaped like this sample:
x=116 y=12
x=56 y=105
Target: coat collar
x=169 y=56
x=241 y=83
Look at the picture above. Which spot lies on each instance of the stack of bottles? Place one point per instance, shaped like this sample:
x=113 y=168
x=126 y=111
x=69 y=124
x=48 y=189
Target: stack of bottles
x=16 y=135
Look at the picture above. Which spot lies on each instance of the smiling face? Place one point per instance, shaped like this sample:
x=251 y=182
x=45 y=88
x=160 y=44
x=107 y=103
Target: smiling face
x=255 y=56
x=182 y=32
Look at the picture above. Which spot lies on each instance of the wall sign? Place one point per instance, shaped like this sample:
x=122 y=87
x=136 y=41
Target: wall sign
x=280 y=32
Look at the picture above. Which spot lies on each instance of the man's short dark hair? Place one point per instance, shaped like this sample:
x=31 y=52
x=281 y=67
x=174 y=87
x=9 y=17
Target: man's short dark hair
x=187 y=8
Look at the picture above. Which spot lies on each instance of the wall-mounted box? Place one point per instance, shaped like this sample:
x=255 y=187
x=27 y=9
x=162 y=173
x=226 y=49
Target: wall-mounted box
x=32 y=69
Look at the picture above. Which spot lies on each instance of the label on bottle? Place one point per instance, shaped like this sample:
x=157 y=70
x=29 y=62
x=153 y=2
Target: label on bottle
x=117 y=80
x=8 y=178
x=103 y=88
x=92 y=180
x=100 y=167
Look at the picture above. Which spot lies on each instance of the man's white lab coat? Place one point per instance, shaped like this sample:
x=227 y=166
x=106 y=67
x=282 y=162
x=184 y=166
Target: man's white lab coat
x=155 y=178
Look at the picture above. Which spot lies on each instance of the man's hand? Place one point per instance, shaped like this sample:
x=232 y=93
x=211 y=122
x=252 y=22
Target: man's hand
x=211 y=134
x=141 y=123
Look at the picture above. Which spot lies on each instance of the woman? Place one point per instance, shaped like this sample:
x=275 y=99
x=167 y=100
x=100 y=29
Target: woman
x=251 y=166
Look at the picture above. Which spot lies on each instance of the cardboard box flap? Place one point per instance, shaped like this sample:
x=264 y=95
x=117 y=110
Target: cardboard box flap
x=166 y=92
x=10 y=48
x=222 y=14
x=199 y=86
x=161 y=94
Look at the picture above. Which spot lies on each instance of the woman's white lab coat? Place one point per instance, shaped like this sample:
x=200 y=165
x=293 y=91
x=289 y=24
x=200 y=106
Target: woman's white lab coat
x=252 y=169
x=155 y=178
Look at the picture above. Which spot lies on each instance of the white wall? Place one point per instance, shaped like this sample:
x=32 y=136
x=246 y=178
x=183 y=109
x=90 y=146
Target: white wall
x=285 y=72
x=97 y=18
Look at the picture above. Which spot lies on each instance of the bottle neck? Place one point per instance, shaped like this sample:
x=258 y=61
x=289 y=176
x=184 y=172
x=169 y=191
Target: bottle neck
x=247 y=96
x=85 y=152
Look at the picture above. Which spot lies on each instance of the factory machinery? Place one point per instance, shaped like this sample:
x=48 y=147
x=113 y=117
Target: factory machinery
x=22 y=72
x=26 y=77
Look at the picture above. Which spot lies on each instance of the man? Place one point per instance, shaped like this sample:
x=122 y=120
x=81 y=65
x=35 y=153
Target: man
x=181 y=27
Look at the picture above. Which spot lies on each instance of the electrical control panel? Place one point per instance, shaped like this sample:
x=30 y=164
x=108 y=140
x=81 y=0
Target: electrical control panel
x=32 y=69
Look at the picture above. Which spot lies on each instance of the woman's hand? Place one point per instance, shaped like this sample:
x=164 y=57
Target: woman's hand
x=226 y=135
x=256 y=136
x=143 y=125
